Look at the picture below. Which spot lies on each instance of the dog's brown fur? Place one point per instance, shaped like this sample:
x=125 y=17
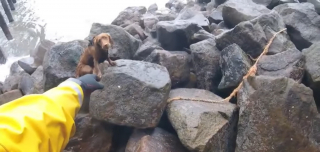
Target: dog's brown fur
x=95 y=53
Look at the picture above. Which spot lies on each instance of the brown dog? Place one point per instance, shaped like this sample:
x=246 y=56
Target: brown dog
x=95 y=53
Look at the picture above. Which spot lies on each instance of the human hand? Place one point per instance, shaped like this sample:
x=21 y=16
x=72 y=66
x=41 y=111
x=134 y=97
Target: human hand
x=89 y=83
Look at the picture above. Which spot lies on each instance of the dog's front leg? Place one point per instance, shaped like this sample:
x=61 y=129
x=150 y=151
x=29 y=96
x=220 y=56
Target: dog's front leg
x=96 y=69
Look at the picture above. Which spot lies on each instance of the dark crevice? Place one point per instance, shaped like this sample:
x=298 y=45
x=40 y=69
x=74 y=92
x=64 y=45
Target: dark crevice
x=296 y=38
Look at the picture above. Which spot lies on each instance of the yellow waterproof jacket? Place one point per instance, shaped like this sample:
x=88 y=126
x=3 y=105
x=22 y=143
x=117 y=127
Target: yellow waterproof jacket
x=42 y=122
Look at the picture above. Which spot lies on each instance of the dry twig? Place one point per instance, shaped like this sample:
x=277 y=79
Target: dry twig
x=251 y=72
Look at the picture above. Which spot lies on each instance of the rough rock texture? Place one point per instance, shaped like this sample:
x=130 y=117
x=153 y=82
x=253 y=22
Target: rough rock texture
x=154 y=140
x=1 y=86
x=201 y=35
x=28 y=64
x=235 y=11
x=316 y=4
x=176 y=62
x=26 y=84
x=125 y=45
x=176 y=35
x=273 y=3
x=9 y=96
x=129 y=15
x=193 y=16
x=90 y=136
x=277 y=114
x=253 y=35
x=203 y=127
x=312 y=66
x=60 y=62
x=135 y=95
x=40 y=51
x=148 y=22
x=215 y=17
x=3 y=58
x=205 y=59
x=135 y=30
x=234 y=64
x=152 y=8
x=285 y=64
x=15 y=68
x=147 y=47
x=38 y=79
x=176 y=5
x=12 y=82
x=166 y=17
x=302 y=21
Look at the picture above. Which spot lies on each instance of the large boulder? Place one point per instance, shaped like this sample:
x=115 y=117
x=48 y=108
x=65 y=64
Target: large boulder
x=135 y=94
x=129 y=15
x=302 y=21
x=289 y=64
x=312 y=66
x=125 y=45
x=277 y=114
x=15 y=68
x=234 y=64
x=157 y=140
x=201 y=126
x=12 y=82
x=60 y=62
x=193 y=16
x=147 y=47
x=176 y=62
x=9 y=96
x=215 y=17
x=136 y=30
x=252 y=36
x=148 y=22
x=91 y=135
x=40 y=51
x=273 y=3
x=26 y=84
x=32 y=84
x=3 y=58
x=153 y=8
x=316 y=4
x=28 y=64
x=205 y=59
x=176 y=35
x=235 y=11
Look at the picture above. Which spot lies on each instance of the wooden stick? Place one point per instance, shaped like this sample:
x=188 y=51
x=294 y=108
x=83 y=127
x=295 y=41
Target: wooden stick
x=252 y=72
x=11 y=5
x=5 y=28
x=7 y=10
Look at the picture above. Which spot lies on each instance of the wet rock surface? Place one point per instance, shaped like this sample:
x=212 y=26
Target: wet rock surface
x=302 y=21
x=202 y=127
x=28 y=64
x=289 y=115
x=3 y=58
x=155 y=139
x=136 y=90
x=147 y=47
x=9 y=96
x=40 y=51
x=129 y=15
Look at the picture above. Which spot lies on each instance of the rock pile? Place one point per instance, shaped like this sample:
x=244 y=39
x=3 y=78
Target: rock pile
x=174 y=68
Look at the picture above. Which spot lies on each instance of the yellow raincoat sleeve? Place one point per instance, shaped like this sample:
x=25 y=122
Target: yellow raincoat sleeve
x=42 y=122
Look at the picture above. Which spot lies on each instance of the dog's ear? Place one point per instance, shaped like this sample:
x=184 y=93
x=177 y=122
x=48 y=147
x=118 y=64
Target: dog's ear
x=110 y=40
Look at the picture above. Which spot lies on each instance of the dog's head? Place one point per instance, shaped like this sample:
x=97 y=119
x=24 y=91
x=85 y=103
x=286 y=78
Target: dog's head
x=103 y=40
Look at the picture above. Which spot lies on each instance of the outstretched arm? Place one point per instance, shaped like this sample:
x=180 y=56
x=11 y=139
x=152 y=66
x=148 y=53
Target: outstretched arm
x=42 y=122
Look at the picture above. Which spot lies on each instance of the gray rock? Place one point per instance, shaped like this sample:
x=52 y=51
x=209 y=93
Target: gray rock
x=289 y=64
x=40 y=51
x=157 y=140
x=60 y=62
x=193 y=16
x=129 y=15
x=12 y=82
x=252 y=36
x=222 y=25
x=91 y=135
x=201 y=35
x=15 y=68
x=215 y=17
x=234 y=64
x=136 y=90
x=38 y=79
x=149 y=22
x=148 y=46
x=3 y=58
x=9 y=96
x=205 y=59
x=28 y=64
x=166 y=17
x=316 y=4
x=176 y=5
x=234 y=11
x=1 y=86
x=302 y=21
x=203 y=127
x=125 y=45
x=152 y=8
x=176 y=62
x=312 y=66
x=26 y=84
x=273 y=3
x=277 y=114
x=135 y=29
x=176 y=35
